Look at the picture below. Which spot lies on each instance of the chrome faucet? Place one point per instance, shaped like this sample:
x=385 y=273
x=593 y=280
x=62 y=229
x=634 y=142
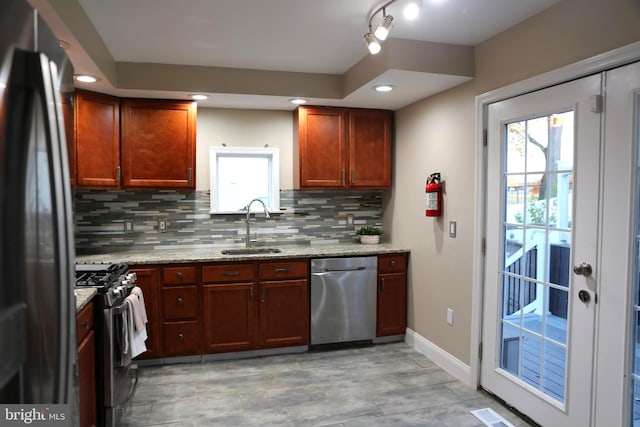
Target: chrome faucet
x=248 y=209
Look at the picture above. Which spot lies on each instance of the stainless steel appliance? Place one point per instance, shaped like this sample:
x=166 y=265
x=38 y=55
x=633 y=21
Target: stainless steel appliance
x=37 y=305
x=117 y=376
x=343 y=300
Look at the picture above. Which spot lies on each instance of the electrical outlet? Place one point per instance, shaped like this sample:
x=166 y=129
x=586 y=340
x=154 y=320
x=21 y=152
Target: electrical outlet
x=162 y=225
x=450 y=316
x=349 y=219
x=128 y=226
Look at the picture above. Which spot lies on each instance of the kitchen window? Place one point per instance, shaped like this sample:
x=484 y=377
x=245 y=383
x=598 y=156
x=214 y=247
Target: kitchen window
x=239 y=175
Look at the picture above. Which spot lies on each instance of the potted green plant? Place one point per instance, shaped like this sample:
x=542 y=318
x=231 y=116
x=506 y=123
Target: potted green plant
x=369 y=234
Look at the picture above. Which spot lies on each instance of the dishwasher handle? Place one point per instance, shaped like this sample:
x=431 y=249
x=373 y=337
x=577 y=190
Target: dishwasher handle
x=329 y=270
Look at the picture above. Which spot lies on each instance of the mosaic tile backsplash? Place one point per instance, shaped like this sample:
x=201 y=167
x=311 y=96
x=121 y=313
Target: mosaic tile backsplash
x=306 y=217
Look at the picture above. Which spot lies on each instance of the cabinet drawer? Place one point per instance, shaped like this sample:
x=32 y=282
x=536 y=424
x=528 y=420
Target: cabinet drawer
x=179 y=302
x=225 y=273
x=283 y=270
x=176 y=275
x=181 y=338
x=396 y=263
x=84 y=322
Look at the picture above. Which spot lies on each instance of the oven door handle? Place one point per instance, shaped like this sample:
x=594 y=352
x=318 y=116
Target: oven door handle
x=119 y=309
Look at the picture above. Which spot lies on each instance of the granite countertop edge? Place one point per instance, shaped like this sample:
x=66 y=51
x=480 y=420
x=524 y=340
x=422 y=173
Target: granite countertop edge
x=214 y=254
x=83 y=297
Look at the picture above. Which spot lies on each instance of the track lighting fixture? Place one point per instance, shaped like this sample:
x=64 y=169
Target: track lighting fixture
x=383 y=29
x=372 y=43
x=373 y=38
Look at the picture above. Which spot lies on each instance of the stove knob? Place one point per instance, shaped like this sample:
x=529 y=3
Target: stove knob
x=132 y=277
x=125 y=282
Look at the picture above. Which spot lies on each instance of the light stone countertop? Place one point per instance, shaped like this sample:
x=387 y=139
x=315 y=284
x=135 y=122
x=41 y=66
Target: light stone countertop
x=83 y=296
x=214 y=254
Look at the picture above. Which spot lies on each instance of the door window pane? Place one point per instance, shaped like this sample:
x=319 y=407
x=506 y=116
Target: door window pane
x=538 y=177
x=636 y=300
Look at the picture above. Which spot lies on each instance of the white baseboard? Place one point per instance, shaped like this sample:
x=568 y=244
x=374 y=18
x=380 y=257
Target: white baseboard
x=446 y=361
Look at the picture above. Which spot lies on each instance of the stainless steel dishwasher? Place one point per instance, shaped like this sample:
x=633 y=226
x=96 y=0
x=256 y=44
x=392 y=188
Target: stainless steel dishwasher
x=343 y=300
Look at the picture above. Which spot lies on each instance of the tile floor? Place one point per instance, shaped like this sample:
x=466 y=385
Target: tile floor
x=382 y=385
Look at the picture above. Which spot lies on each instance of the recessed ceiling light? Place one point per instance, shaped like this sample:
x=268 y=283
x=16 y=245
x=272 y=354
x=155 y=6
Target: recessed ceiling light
x=86 y=78
x=298 y=101
x=199 y=97
x=412 y=10
x=383 y=88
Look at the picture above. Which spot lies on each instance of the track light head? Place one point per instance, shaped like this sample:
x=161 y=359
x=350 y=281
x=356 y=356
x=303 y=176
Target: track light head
x=382 y=32
x=372 y=43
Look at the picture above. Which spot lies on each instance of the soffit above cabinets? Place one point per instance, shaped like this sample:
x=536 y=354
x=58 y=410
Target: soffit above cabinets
x=260 y=54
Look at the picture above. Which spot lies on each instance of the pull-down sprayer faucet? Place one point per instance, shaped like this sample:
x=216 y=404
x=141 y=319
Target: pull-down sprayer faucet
x=248 y=209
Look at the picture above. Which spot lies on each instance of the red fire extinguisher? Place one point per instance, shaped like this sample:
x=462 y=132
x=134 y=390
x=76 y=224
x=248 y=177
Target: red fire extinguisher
x=434 y=195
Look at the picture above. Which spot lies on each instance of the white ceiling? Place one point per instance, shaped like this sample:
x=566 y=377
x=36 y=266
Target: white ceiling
x=300 y=36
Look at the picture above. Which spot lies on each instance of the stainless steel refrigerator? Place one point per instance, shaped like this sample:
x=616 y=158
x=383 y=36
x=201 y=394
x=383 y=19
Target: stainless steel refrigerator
x=37 y=303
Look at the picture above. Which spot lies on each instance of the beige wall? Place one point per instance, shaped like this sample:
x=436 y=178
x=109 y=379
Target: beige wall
x=437 y=135
x=244 y=128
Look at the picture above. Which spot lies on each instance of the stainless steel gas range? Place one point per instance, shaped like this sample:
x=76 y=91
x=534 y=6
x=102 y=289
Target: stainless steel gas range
x=116 y=375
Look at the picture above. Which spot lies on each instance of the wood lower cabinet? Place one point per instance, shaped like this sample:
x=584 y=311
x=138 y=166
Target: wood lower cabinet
x=147 y=280
x=97 y=141
x=284 y=303
x=284 y=313
x=86 y=366
x=248 y=306
x=179 y=301
x=342 y=148
x=392 y=295
x=229 y=307
x=228 y=317
x=158 y=143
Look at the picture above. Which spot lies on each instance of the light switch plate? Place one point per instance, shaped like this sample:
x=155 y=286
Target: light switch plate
x=452 y=228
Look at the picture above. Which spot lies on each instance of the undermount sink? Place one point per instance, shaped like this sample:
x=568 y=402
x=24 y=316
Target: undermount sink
x=250 y=251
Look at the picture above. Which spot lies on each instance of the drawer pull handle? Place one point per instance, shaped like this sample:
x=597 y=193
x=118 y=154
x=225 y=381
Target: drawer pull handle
x=262 y=294
x=181 y=337
x=85 y=324
x=250 y=294
x=381 y=285
x=179 y=300
x=230 y=273
x=179 y=275
x=283 y=270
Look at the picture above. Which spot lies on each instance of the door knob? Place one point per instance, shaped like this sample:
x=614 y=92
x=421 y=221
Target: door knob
x=584 y=296
x=583 y=269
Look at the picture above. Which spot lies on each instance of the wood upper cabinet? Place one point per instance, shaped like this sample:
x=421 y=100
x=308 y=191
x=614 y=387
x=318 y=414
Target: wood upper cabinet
x=158 y=143
x=392 y=295
x=342 y=148
x=86 y=367
x=97 y=141
x=369 y=149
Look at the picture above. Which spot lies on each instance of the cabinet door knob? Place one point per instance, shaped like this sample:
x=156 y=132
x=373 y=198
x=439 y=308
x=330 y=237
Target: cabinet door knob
x=181 y=337
x=180 y=300
x=393 y=262
x=179 y=275
x=251 y=294
x=382 y=285
x=85 y=324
